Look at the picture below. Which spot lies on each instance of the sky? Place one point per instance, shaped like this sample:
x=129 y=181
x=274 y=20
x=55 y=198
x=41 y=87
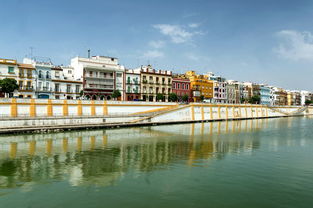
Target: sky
x=263 y=41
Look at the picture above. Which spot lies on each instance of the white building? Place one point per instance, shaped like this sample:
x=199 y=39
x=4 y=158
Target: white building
x=23 y=74
x=220 y=91
x=43 y=81
x=132 y=84
x=64 y=85
x=101 y=75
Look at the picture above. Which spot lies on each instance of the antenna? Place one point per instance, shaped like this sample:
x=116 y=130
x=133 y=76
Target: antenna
x=31 y=51
x=88 y=53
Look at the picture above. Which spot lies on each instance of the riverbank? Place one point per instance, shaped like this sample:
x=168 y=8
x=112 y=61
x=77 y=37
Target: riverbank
x=25 y=116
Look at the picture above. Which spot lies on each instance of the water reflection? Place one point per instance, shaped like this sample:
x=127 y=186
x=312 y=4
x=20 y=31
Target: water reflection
x=101 y=157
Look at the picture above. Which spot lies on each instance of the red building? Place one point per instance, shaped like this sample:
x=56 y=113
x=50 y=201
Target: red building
x=181 y=87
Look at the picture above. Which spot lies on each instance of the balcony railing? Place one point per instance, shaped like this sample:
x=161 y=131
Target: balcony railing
x=44 y=89
x=28 y=88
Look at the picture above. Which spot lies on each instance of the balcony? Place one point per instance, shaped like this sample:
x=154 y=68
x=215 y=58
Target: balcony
x=44 y=89
x=98 y=77
x=25 y=88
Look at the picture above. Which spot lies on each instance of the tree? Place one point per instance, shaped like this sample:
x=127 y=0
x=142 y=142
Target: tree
x=8 y=85
x=242 y=100
x=185 y=98
x=308 y=102
x=116 y=94
x=172 y=97
x=255 y=99
x=159 y=97
x=202 y=98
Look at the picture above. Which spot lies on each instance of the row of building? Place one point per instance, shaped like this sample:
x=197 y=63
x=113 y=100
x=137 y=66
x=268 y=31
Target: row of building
x=97 y=77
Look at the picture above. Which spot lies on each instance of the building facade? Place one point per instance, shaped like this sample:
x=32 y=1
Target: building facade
x=132 y=85
x=231 y=93
x=101 y=75
x=181 y=87
x=154 y=82
x=265 y=95
x=201 y=87
x=64 y=85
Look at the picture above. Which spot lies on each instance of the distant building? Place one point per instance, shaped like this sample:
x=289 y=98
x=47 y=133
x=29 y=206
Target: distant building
x=181 y=86
x=265 y=95
x=132 y=85
x=154 y=82
x=220 y=92
x=64 y=85
x=201 y=86
x=101 y=75
x=231 y=93
x=42 y=76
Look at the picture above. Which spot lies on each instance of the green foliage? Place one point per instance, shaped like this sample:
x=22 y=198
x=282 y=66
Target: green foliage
x=242 y=100
x=308 y=102
x=202 y=97
x=8 y=85
x=172 y=97
x=116 y=94
x=159 y=97
x=185 y=98
x=255 y=99
x=81 y=93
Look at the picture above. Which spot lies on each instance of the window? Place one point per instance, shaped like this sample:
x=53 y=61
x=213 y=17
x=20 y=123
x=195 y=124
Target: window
x=68 y=88
x=57 y=74
x=57 y=87
x=128 y=79
x=20 y=84
x=70 y=71
x=11 y=69
x=39 y=85
x=40 y=74
x=48 y=75
x=77 y=89
x=29 y=85
x=118 y=74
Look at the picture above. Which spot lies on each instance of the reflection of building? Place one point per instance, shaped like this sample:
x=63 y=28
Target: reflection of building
x=101 y=157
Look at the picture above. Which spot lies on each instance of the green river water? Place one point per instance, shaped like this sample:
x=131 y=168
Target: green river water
x=253 y=163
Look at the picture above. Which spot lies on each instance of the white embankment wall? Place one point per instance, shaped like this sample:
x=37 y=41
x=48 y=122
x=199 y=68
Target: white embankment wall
x=41 y=112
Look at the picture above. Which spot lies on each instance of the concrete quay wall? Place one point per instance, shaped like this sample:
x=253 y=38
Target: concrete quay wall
x=33 y=115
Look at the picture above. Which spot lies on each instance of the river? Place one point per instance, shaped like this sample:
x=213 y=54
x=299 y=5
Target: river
x=250 y=163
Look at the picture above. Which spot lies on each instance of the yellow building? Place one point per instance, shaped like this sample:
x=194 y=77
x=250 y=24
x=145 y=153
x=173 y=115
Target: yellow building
x=290 y=98
x=200 y=85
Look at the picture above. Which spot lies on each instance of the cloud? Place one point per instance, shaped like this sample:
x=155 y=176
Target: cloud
x=198 y=58
x=153 y=54
x=194 y=25
x=177 y=33
x=157 y=44
x=295 y=45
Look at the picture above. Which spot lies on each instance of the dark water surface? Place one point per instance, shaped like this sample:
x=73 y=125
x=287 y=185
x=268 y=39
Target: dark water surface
x=259 y=163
